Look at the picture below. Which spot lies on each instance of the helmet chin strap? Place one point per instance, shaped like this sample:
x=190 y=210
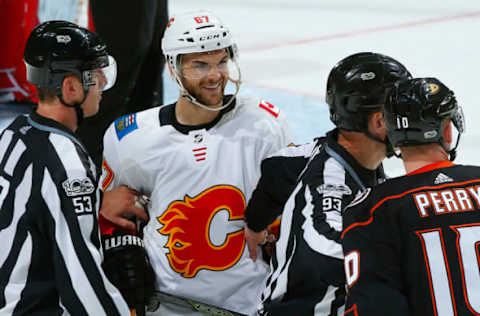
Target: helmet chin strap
x=386 y=142
x=77 y=106
x=186 y=94
x=451 y=152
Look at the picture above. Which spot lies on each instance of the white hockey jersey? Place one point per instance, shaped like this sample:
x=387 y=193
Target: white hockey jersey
x=199 y=181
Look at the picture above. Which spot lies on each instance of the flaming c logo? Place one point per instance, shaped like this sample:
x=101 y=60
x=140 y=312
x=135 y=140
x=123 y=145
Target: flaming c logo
x=187 y=223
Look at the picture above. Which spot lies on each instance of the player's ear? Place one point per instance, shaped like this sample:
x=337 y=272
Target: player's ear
x=447 y=133
x=71 y=88
x=377 y=125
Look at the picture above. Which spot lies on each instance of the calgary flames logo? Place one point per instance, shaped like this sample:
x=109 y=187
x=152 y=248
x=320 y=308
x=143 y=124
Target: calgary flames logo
x=188 y=224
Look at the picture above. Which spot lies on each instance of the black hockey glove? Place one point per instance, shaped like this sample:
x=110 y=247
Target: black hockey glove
x=127 y=266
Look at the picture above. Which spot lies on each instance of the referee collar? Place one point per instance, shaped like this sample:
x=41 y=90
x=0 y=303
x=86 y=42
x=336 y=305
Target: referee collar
x=48 y=125
x=368 y=177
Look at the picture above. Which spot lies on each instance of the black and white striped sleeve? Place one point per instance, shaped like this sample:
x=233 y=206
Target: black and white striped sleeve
x=279 y=173
x=50 y=259
x=307 y=272
x=72 y=198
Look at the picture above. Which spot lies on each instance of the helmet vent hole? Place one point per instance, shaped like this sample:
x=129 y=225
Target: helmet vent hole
x=204 y=27
x=190 y=40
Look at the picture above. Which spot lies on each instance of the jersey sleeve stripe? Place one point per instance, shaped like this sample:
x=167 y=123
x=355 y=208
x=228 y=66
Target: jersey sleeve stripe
x=68 y=248
x=109 y=175
x=352 y=311
x=285 y=248
x=15 y=155
x=15 y=258
x=321 y=241
x=7 y=234
x=86 y=264
x=18 y=276
x=397 y=196
x=5 y=142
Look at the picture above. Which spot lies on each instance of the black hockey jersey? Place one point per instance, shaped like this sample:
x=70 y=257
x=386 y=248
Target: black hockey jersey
x=411 y=245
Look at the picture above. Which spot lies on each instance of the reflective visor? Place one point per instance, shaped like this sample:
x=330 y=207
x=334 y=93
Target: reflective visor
x=458 y=120
x=104 y=75
x=110 y=73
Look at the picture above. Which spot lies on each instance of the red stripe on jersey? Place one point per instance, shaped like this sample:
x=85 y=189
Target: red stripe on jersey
x=432 y=166
x=200 y=154
x=109 y=177
x=270 y=108
x=353 y=310
x=200 y=159
x=203 y=148
x=372 y=210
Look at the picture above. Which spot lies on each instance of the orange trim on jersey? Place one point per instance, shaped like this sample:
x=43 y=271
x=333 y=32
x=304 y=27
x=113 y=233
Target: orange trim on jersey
x=432 y=166
x=352 y=309
x=477 y=244
x=429 y=272
x=372 y=210
x=109 y=177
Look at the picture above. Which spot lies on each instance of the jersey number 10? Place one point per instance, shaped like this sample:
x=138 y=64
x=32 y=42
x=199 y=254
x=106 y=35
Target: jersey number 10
x=441 y=286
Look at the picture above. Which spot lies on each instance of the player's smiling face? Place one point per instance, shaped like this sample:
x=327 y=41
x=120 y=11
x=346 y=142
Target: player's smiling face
x=205 y=75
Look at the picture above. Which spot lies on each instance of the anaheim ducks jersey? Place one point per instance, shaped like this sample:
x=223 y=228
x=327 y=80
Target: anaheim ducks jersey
x=199 y=180
x=412 y=245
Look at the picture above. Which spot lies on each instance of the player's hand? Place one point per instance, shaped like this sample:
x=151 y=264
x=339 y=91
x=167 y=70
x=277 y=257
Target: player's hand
x=255 y=239
x=121 y=203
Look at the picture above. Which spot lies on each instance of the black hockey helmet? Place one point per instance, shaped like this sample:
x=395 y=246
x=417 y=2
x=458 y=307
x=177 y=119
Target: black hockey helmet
x=357 y=86
x=56 y=49
x=415 y=113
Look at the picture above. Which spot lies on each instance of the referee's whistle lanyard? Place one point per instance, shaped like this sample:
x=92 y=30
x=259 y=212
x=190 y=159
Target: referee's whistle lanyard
x=56 y=131
x=345 y=165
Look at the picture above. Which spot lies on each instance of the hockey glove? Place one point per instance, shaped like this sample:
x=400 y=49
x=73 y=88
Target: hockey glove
x=127 y=266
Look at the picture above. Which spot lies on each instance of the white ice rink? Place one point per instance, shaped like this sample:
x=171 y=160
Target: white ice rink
x=287 y=49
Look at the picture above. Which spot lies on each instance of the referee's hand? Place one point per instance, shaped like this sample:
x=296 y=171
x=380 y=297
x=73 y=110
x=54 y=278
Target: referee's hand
x=120 y=204
x=255 y=239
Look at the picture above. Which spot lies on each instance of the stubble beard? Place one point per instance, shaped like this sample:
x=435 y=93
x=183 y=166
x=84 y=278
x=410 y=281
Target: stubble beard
x=218 y=100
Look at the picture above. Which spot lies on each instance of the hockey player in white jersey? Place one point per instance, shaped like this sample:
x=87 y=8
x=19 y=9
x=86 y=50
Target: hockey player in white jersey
x=198 y=160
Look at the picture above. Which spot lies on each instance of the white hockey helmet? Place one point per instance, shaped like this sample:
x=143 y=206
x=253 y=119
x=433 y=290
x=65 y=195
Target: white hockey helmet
x=197 y=32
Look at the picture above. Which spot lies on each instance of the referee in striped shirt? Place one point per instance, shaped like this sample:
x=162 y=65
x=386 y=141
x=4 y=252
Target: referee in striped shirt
x=307 y=277
x=50 y=262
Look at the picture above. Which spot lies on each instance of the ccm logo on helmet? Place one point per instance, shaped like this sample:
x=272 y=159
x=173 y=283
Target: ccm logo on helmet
x=209 y=37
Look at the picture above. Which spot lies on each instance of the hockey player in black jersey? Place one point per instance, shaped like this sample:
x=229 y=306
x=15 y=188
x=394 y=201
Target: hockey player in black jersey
x=307 y=276
x=412 y=244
